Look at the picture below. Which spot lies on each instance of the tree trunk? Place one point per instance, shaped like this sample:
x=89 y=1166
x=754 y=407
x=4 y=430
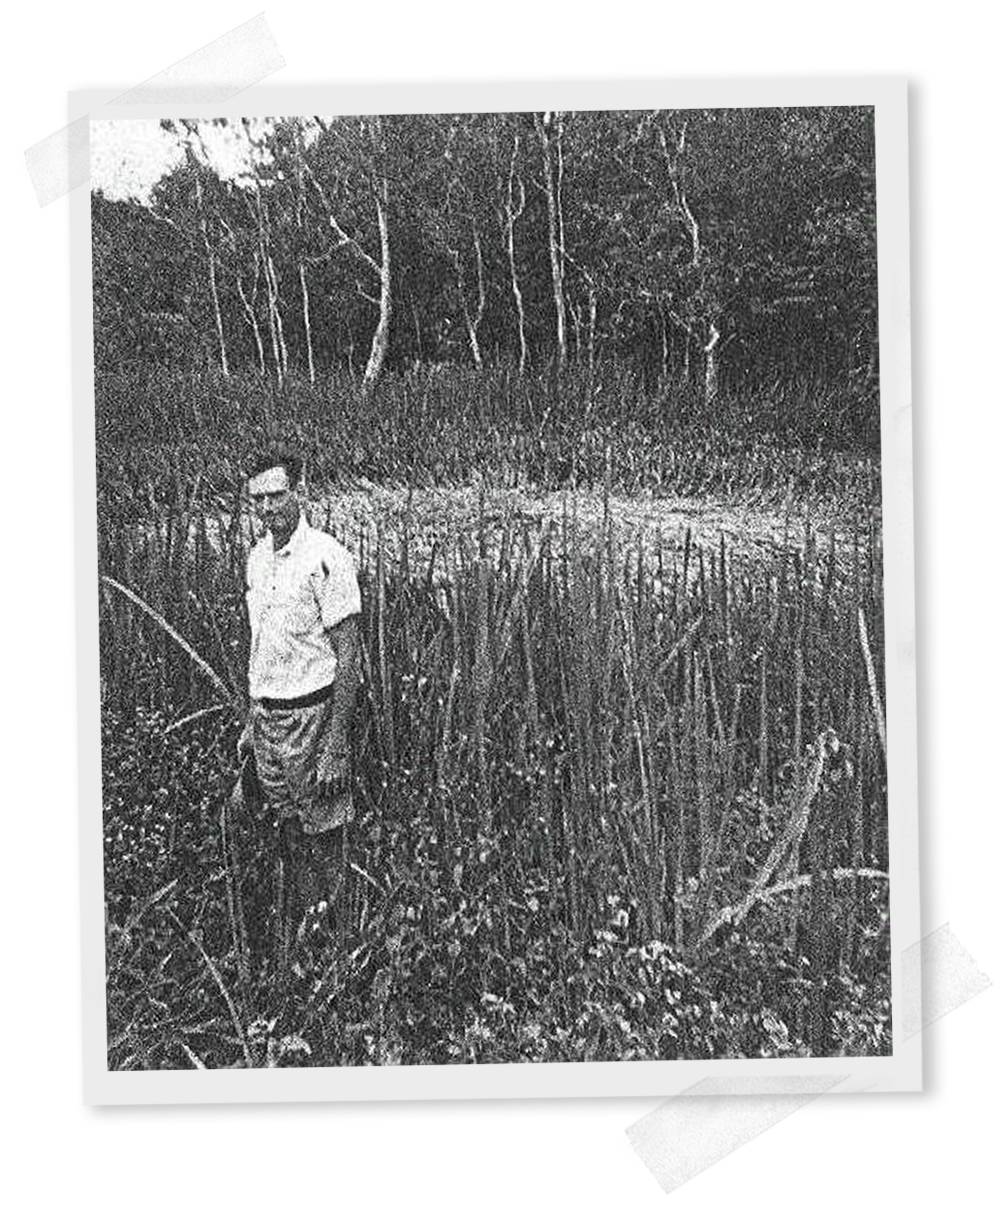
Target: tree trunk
x=577 y=319
x=278 y=348
x=380 y=340
x=300 y=221
x=512 y=216
x=467 y=318
x=480 y=297
x=212 y=284
x=278 y=320
x=418 y=332
x=471 y=320
x=712 y=365
x=592 y=327
x=306 y=322
x=470 y=327
x=250 y=313
x=554 y=206
x=223 y=358
x=279 y=351
x=383 y=267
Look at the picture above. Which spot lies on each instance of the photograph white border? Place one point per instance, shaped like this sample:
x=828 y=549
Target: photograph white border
x=900 y=1071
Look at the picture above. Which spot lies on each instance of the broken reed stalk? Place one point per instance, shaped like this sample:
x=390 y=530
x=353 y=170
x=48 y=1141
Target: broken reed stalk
x=388 y=717
x=192 y=717
x=873 y=691
x=234 y=888
x=195 y=1061
x=805 y=881
x=220 y=984
x=648 y=838
x=172 y=632
x=787 y=844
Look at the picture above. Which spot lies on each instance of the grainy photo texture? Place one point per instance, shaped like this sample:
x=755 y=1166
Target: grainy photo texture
x=491 y=609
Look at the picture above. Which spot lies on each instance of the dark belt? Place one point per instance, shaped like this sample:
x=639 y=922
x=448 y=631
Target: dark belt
x=300 y=701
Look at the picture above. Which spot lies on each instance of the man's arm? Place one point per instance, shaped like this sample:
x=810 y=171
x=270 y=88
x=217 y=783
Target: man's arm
x=244 y=743
x=345 y=640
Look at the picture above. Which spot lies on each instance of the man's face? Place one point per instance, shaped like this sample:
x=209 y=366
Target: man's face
x=274 y=503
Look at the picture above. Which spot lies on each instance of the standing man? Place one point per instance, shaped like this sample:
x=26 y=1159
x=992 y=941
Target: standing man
x=303 y=601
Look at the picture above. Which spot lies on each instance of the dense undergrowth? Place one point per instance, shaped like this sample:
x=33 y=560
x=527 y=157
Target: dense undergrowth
x=166 y=439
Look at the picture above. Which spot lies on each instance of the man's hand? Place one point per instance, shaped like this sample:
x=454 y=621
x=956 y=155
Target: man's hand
x=333 y=777
x=334 y=769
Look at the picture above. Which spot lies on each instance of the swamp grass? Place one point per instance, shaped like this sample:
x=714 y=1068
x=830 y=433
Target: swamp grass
x=614 y=802
x=167 y=441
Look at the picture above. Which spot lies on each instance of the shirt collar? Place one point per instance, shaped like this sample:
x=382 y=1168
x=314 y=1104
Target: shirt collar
x=295 y=539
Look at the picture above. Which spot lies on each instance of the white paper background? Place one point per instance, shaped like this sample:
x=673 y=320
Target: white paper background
x=936 y=1144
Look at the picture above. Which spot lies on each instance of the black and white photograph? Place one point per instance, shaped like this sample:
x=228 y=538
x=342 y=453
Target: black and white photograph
x=491 y=596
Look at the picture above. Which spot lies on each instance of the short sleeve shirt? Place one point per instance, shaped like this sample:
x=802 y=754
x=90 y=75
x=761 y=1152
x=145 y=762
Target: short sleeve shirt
x=294 y=595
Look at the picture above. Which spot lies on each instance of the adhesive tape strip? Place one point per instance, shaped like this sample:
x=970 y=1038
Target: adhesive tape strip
x=704 y=1124
x=949 y=976
x=708 y=1121
x=240 y=58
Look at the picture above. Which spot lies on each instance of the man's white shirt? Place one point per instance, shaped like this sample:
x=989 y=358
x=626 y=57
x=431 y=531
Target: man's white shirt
x=294 y=595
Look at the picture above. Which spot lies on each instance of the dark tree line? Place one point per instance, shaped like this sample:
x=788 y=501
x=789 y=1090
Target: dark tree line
x=730 y=244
